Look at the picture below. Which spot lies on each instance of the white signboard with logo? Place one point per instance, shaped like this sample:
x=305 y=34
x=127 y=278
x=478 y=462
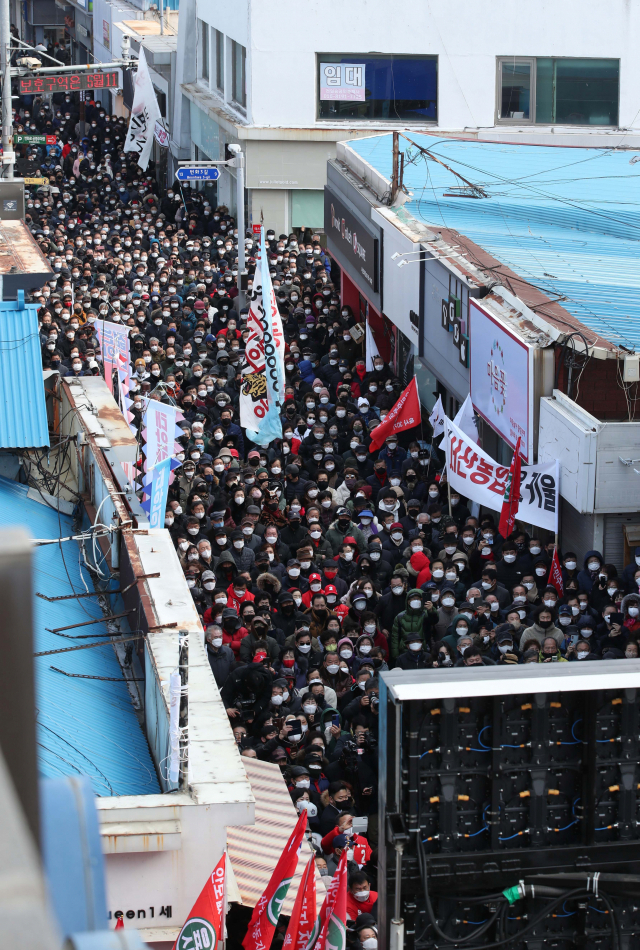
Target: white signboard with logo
x=501 y=378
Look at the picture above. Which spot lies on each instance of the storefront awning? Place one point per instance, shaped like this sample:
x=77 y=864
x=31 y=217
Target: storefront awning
x=254 y=850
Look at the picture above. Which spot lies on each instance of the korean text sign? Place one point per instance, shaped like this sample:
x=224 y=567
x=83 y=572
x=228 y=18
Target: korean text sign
x=478 y=477
x=501 y=379
x=342 y=81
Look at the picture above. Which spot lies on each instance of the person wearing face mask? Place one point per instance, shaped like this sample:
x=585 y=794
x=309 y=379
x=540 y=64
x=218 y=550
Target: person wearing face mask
x=221 y=658
x=507 y=571
x=630 y=607
x=446 y=609
x=542 y=627
x=588 y=578
x=341 y=528
x=489 y=584
x=415 y=657
x=627 y=578
x=414 y=619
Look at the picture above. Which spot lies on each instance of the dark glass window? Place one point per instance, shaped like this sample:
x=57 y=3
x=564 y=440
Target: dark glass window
x=577 y=91
x=353 y=86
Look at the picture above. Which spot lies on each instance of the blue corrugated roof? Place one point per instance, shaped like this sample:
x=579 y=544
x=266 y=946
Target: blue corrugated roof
x=87 y=726
x=23 y=413
x=565 y=219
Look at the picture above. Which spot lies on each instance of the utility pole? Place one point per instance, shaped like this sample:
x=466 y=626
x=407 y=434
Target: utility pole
x=8 y=156
x=239 y=164
x=395 y=174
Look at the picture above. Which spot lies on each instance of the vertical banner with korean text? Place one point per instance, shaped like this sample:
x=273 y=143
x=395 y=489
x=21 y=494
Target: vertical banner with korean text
x=144 y=114
x=114 y=346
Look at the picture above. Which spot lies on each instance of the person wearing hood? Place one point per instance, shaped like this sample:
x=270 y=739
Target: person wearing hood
x=446 y=610
x=459 y=627
x=542 y=627
x=419 y=568
x=414 y=619
x=631 y=609
x=258 y=635
x=225 y=570
x=588 y=576
x=415 y=657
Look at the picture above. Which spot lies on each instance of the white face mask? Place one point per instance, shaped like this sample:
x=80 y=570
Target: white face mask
x=309 y=708
x=362 y=896
x=593 y=565
x=528 y=585
x=633 y=611
x=438 y=573
x=415 y=604
x=303 y=783
x=216 y=642
x=612 y=591
x=276 y=700
x=509 y=558
x=570 y=565
x=540 y=571
x=505 y=647
x=415 y=647
x=448 y=601
x=346 y=654
x=582 y=653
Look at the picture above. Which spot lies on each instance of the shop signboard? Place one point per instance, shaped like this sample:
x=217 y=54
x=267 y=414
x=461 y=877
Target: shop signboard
x=501 y=378
x=351 y=238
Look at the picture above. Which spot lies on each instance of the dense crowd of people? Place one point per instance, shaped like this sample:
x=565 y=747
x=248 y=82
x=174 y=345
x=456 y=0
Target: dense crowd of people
x=315 y=563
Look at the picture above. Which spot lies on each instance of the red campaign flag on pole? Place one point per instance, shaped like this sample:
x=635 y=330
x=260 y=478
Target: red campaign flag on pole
x=511 y=500
x=266 y=912
x=204 y=926
x=303 y=915
x=330 y=931
x=555 y=574
x=119 y=924
x=405 y=415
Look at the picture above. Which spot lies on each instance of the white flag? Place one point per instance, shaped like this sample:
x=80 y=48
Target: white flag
x=371 y=348
x=144 y=114
x=436 y=419
x=466 y=420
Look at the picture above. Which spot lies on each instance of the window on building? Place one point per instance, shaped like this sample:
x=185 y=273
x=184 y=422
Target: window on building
x=238 y=73
x=219 y=61
x=554 y=91
x=203 y=31
x=353 y=86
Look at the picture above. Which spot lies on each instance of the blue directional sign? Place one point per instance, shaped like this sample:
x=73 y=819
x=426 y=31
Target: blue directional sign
x=195 y=173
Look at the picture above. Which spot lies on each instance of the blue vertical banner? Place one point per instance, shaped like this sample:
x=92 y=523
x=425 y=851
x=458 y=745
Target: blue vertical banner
x=156 y=488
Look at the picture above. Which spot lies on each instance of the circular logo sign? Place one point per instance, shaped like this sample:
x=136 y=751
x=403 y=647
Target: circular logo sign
x=197 y=934
x=275 y=904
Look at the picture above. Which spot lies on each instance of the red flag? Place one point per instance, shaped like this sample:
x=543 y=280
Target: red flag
x=511 y=500
x=303 y=915
x=404 y=415
x=555 y=574
x=119 y=924
x=266 y=912
x=204 y=925
x=330 y=931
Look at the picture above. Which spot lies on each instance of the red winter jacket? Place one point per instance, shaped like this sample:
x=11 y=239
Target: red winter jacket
x=421 y=564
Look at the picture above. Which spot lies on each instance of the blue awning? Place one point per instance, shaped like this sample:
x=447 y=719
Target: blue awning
x=23 y=412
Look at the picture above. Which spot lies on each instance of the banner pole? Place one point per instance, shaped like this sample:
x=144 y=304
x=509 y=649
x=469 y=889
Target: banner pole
x=449 y=495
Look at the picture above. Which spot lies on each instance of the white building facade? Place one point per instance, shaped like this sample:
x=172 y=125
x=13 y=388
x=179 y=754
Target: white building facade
x=290 y=80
